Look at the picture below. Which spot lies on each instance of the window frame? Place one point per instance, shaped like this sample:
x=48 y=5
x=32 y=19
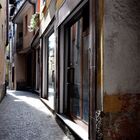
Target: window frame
x=66 y=98
x=45 y=36
x=47 y=57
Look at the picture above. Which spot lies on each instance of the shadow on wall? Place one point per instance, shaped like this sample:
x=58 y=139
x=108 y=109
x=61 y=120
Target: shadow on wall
x=3 y=90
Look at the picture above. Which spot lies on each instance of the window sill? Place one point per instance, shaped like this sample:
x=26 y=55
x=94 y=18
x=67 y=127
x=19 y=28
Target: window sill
x=74 y=127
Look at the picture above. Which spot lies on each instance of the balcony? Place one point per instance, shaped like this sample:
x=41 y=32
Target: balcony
x=19 y=44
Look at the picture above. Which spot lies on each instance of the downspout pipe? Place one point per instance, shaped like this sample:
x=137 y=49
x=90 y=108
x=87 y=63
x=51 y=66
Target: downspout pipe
x=7 y=22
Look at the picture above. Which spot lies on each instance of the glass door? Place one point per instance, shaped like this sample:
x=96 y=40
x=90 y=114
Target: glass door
x=78 y=70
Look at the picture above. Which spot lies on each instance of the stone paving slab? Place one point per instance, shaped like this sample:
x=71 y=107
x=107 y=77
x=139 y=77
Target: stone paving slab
x=24 y=117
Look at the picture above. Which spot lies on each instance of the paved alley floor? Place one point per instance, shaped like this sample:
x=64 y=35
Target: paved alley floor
x=24 y=117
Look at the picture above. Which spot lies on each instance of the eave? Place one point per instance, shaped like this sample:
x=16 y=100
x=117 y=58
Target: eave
x=18 y=17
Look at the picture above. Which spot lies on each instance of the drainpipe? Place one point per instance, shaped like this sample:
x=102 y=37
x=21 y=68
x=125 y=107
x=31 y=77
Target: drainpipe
x=7 y=22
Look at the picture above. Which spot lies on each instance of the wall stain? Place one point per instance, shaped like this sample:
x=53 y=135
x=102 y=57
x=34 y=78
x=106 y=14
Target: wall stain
x=122 y=113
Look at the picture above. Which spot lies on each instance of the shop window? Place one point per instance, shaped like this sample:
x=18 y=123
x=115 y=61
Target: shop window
x=78 y=69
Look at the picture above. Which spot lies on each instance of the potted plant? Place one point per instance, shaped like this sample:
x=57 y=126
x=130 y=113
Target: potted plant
x=34 y=22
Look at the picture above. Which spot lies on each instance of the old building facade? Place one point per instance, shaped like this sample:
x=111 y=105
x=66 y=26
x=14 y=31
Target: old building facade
x=24 y=56
x=83 y=60
x=87 y=77
x=3 y=44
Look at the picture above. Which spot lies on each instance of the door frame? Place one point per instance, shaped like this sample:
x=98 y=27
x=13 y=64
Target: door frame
x=62 y=100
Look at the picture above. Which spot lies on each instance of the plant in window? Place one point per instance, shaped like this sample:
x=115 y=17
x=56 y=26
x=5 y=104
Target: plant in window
x=33 y=22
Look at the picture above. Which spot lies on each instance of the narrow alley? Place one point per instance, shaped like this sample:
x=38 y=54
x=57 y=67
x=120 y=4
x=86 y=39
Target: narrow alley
x=24 y=117
x=80 y=59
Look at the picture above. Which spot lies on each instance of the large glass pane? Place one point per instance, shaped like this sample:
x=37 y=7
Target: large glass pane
x=85 y=78
x=75 y=63
x=51 y=67
x=79 y=70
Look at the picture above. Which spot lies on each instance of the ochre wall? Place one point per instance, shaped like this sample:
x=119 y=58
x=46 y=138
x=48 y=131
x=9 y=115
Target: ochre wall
x=20 y=68
x=2 y=65
x=27 y=37
x=2 y=40
x=2 y=48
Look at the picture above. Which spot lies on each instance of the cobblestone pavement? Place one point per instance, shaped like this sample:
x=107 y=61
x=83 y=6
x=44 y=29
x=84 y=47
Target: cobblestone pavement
x=24 y=117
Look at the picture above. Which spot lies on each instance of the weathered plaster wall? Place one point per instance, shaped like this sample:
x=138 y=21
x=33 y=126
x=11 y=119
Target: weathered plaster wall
x=59 y=8
x=2 y=40
x=2 y=72
x=59 y=3
x=66 y=9
x=2 y=65
x=122 y=69
x=20 y=68
x=27 y=36
x=2 y=47
x=47 y=14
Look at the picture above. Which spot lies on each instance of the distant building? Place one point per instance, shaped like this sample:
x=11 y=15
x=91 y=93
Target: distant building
x=23 y=60
x=3 y=44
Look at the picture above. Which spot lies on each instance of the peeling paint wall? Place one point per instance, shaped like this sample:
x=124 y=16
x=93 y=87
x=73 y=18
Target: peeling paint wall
x=121 y=69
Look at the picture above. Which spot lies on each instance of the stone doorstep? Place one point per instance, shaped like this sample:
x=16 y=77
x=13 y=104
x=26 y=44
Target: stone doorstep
x=48 y=104
x=76 y=129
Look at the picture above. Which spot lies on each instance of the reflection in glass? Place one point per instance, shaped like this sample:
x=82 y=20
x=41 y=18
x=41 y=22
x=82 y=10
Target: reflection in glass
x=51 y=67
x=75 y=63
x=85 y=79
x=78 y=57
